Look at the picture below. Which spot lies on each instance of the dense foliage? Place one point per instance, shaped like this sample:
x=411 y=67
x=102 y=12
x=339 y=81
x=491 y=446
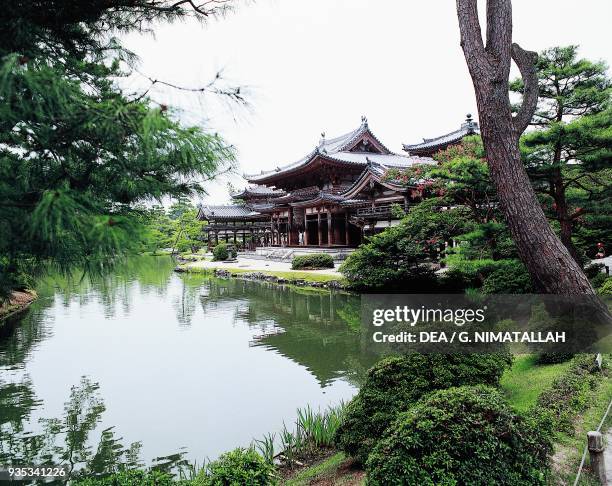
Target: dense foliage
x=312 y=262
x=237 y=467
x=465 y=435
x=568 y=154
x=394 y=259
x=76 y=153
x=176 y=229
x=395 y=383
x=130 y=478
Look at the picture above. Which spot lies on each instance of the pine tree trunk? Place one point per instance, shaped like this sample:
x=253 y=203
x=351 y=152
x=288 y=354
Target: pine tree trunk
x=562 y=211
x=548 y=261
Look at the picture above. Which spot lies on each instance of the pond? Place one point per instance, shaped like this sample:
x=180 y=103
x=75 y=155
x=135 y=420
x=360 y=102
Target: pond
x=147 y=363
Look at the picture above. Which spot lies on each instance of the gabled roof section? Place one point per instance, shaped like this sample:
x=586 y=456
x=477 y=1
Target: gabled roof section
x=347 y=148
x=232 y=212
x=432 y=145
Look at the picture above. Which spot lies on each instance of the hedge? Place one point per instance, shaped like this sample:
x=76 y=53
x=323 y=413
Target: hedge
x=312 y=261
x=569 y=393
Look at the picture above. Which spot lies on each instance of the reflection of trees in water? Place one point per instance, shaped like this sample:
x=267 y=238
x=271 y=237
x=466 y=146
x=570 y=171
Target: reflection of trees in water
x=315 y=329
x=68 y=440
x=186 y=303
x=145 y=274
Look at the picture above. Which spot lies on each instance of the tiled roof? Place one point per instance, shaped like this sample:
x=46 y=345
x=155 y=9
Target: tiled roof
x=334 y=149
x=226 y=212
x=257 y=190
x=470 y=127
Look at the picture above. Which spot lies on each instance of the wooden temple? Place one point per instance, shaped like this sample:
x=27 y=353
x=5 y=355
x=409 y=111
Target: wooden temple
x=332 y=197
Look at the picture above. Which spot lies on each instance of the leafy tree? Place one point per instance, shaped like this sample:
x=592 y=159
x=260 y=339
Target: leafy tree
x=463 y=176
x=572 y=145
x=76 y=153
x=395 y=257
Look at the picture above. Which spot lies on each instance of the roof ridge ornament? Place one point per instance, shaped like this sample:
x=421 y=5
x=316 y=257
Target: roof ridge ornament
x=364 y=120
x=321 y=147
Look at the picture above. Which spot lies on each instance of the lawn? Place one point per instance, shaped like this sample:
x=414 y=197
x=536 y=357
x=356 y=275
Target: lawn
x=526 y=379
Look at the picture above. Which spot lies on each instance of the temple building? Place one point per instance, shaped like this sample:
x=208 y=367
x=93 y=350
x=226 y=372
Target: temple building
x=341 y=191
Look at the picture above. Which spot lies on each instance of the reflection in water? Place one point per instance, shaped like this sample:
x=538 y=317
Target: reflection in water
x=182 y=361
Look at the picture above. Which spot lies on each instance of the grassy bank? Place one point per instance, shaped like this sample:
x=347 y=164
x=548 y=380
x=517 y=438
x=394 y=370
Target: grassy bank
x=288 y=275
x=523 y=383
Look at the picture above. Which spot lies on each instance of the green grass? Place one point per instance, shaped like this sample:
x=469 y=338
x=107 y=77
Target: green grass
x=526 y=379
x=327 y=467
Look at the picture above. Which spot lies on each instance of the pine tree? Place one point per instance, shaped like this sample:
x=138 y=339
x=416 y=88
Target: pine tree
x=566 y=153
x=77 y=155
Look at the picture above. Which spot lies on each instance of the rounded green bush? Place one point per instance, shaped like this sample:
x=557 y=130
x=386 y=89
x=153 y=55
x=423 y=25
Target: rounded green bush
x=395 y=383
x=220 y=252
x=465 y=435
x=237 y=467
x=510 y=280
x=312 y=261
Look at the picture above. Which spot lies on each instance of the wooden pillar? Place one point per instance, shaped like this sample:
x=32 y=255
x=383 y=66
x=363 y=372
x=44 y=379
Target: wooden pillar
x=305 y=229
x=347 y=235
x=330 y=232
x=596 y=455
x=319 y=232
x=216 y=238
x=290 y=226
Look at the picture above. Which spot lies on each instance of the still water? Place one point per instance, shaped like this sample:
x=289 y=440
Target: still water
x=149 y=363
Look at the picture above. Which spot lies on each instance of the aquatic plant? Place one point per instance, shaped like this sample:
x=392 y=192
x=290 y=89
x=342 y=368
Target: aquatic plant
x=266 y=447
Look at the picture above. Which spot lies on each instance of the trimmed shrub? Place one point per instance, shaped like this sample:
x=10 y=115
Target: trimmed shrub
x=220 y=252
x=507 y=276
x=509 y=280
x=312 y=262
x=569 y=393
x=237 y=467
x=395 y=383
x=465 y=435
x=130 y=478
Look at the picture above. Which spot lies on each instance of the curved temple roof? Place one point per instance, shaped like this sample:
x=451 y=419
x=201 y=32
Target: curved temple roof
x=430 y=145
x=337 y=149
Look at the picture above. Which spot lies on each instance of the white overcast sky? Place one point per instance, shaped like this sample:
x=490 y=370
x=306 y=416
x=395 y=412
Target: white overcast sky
x=318 y=65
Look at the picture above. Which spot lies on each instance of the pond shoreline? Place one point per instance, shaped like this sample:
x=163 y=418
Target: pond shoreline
x=288 y=279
